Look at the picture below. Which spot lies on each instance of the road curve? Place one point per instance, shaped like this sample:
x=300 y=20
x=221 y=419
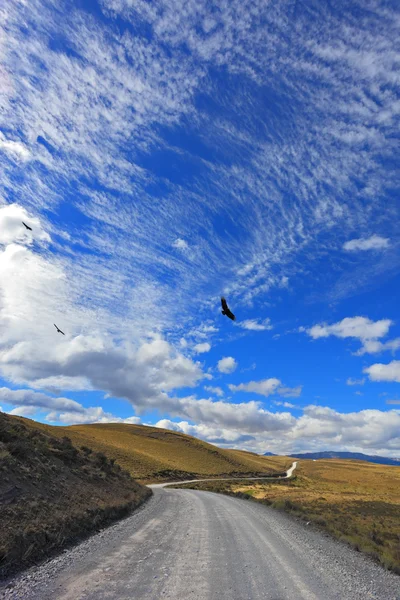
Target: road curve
x=289 y=473
x=192 y=545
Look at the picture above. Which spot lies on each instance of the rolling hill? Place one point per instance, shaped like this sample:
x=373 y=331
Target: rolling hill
x=151 y=454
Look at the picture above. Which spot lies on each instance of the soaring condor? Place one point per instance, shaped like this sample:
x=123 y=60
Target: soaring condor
x=225 y=310
x=58 y=330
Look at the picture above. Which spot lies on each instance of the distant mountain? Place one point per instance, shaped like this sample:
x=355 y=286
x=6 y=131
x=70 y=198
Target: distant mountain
x=269 y=454
x=380 y=460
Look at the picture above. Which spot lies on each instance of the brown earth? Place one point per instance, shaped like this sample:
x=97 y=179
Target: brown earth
x=53 y=493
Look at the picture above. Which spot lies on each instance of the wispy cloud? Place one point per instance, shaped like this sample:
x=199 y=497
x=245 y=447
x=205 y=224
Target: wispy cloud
x=267 y=387
x=351 y=381
x=218 y=391
x=146 y=145
x=255 y=325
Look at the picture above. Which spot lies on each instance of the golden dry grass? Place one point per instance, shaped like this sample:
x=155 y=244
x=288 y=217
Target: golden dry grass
x=355 y=501
x=153 y=454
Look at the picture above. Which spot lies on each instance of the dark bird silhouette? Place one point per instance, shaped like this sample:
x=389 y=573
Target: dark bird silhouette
x=225 y=310
x=58 y=330
x=27 y=226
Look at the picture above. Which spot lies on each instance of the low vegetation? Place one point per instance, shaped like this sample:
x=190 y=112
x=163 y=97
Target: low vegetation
x=356 y=502
x=152 y=455
x=53 y=492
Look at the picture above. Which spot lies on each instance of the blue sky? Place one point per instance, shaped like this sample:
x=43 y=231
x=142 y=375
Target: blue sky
x=165 y=153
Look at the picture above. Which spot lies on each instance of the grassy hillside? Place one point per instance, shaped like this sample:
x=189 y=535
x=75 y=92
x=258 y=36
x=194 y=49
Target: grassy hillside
x=52 y=493
x=152 y=454
x=357 y=502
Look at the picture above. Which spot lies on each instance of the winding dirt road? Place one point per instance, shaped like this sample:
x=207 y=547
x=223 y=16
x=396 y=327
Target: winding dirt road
x=192 y=545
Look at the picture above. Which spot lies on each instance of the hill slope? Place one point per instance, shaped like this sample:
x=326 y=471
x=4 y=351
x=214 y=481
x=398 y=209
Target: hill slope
x=153 y=454
x=379 y=460
x=51 y=493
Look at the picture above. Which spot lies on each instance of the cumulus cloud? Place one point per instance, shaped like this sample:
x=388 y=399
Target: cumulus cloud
x=255 y=325
x=216 y=435
x=214 y=390
x=317 y=428
x=38 y=400
x=248 y=417
x=89 y=415
x=360 y=328
x=24 y=411
x=375 y=346
x=267 y=387
x=201 y=348
x=375 y=242
x=384 y=372
x=62 y=410
x=227 y=365
x=12 y=229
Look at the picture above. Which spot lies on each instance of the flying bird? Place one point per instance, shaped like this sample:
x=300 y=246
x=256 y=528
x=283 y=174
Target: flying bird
x=27 y=226
x=58 y=330
x=225 y=310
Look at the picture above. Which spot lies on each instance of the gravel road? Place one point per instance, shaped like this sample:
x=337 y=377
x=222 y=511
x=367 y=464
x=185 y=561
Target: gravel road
x=192 y=545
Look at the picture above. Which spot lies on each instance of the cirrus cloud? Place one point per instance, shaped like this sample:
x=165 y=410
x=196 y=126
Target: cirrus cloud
x=267 y=387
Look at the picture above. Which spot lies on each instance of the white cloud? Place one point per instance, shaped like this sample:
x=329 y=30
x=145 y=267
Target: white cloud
x=214 y=390
x=180 y=244
x=38 y=400
x=15 y=149
x=267 y=387
x=351 y=381
x=130 y=283
x=227 y=364
x=89 y=415
x=12 y=229
x=206 y=432
x=285 y=404
x=62 y=410
x=201 y=348
x=384 y=372
x=392 y=401
x=254 y=325
x=284 y=282
x=24 y=411
x=375 y=346
x=360 y=328
x=375 y=242
x=319 y=428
